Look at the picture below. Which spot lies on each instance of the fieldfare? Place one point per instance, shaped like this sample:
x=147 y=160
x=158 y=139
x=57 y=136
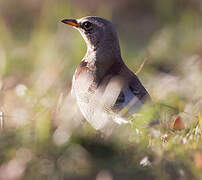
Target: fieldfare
x=106 y=91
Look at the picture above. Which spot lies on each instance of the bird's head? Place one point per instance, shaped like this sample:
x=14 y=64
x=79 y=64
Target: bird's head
x=97 y=32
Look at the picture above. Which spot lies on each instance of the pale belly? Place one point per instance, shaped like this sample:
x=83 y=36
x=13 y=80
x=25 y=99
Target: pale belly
x=86 y=100
x=95 y=106
x=92 y=110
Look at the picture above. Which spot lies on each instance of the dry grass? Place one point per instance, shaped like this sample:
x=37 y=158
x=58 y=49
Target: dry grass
x=44 y=137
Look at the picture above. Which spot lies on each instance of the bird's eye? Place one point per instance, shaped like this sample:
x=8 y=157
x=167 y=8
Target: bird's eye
x=87 y=25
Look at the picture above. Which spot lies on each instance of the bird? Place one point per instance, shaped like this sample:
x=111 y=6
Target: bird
x=106 y=91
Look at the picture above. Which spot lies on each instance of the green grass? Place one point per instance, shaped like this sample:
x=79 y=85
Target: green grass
x=38 y=55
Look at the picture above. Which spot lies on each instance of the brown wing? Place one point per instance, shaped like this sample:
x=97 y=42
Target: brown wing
x=133 y=95
x=138 y=89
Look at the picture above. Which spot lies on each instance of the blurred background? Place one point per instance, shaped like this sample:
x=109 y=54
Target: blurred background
x=41 y=137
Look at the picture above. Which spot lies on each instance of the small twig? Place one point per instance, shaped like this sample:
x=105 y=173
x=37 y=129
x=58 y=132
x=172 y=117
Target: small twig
x=1 y=120
x=142 y=65
x=176 y=109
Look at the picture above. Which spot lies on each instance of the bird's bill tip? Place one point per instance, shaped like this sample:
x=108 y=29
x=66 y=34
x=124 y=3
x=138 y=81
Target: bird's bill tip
x=71 y=22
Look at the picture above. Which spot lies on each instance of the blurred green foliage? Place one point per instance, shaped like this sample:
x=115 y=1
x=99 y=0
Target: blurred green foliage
x=38 y=56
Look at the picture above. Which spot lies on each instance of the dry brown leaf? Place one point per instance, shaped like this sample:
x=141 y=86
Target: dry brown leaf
x=178 y=124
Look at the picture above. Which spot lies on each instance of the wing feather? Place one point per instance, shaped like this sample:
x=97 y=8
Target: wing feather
x=132 y=96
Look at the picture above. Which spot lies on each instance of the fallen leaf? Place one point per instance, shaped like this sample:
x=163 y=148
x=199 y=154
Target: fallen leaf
x=178 y=124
